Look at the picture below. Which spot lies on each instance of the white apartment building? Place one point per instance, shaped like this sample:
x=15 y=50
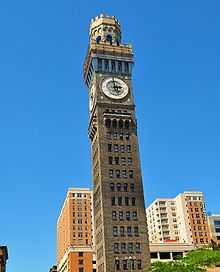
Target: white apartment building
x=179 y=220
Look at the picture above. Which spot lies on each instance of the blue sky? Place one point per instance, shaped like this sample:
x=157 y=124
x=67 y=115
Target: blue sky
x=44 y=148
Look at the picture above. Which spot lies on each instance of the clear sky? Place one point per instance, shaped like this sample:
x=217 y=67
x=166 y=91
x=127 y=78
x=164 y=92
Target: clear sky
x=44 y=148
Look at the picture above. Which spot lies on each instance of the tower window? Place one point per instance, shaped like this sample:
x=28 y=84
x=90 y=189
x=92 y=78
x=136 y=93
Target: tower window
x=126 y=67
x=99 y=64
x=109 y=39
x=106 y=65
x=98 y=39
x=119 y=67
x=113 y=66
x=115 y=135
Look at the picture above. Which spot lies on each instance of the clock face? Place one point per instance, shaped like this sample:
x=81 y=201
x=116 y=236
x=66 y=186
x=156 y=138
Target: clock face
x=114 y=87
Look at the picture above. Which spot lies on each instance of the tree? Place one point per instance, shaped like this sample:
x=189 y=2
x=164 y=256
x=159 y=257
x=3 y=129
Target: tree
x=195 y=261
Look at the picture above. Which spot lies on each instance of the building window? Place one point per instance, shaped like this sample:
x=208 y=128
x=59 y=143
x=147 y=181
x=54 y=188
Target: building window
x=122 y=231
x=106 y=65
x=121 y=216
x=128 y=216
x=129 y=161
x=81 y=269
x=123 y=160
x=126 y=201
x=114 y=215
x=117 y=173
x=99 y=63
x=125 y=264
x=132 y=187
x=133 y=201
x=134 y=215
x=136 y=232
x=119 y=67
x=124 y=173
x=116 y=247
x=127 y=136
x=80 y=254
x=131 y=173
x=115 y=148
x=112 y=187
x=117 y=160
x=111 y=173
x=139 y=264
x=108 y=135
x=110 y=159
x=121 y=136
x=113 y=201
x=123 y=247
x=113 y=66
x=115 y=136
x=81 y=261
x=125 y=187
x=122 y=148
x=118 y=187
x=128 y=148
x=115 y=231
x=126 y=67
x=109 y=148
x=120 y=201
x=138 y=247
x=129 y=232
x=130 y=247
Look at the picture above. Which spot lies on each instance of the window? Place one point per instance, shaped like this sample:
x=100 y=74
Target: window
x=123 y=160
x=117 y=160
x=129 y=161
x=119 y=66
x=115 y=136
x=81 y=269
x=129 y=232
x=136 y=232
x=120 y=201
x=117 y=264
x=130 y=247
x=110 y=159
x=108 y=123
x=81 y=261
x=125 y=187
x=121 y=136
x=113 y=201
x=112 y=187
x=120 y=124
x=134 y=215
x=118 y=187
x=99 y=60
x=127 y=136
x=126 y=67
x=123 y=247
x=115 y=148
x=111 y=173
x=115 y=231
x=106 y=65
x=133 y=201
x=125 y=264
x=132 y=187
x=127 y=124
x=108 y=135
x=121 y=216
x=80 y=254
x=128 y=216
x=138 y=247
x=116 y=247
x=122 y=231
x=109 y=148
x=139 y=264
x=122 y=148
x=113 y=66
x=114 y=215
x=109 y=38
x=124 y=173
x=128 y=148
x=126 y=201
x=131 y=173
x=117 y=173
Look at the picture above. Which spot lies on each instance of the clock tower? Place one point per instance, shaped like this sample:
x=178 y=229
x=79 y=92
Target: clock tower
x=121 y=238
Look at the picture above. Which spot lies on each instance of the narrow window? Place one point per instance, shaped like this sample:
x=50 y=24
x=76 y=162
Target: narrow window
x=110 y=160
x=138 y=247
x=124 y=173
x=128 y=215
x=122 y=148
x=122 y=231
x=117 y=173
x=127 y=136
x=115 y=231
x=125 y=187
x=116 y=247
x=120 y=201
x=131 y=173
x=114 y=215
x=106 y=65
x=121 y=216
x=112 y=187
x=115 y=148
x=111 y=173
x=117 y=160
x=133 y=201
x=118 y=187
x=123 y=161
x=136 y=232
x=109 y=148
x=129 y=161
x=126 y=67
x=113 y=66
x=134 y=215
x=115 y=136
x=132 y=187
x=113 y=201
x=129 y=232
x=119 y=67
x=126 y=201
x=128 y=148
x=99 y=64
x=125 y=264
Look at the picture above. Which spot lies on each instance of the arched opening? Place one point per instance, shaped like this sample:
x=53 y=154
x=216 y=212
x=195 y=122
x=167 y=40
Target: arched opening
x=109 y=38
x=114 y=123
x=108 y=123
x=127 y=124
x=98 y=39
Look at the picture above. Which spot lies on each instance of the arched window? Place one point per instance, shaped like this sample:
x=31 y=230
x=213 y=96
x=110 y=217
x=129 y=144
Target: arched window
x=120 y=124
x=108 y=123
x=127 y=124
x=109 y=38
x=98 y=39
x=114 y=123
